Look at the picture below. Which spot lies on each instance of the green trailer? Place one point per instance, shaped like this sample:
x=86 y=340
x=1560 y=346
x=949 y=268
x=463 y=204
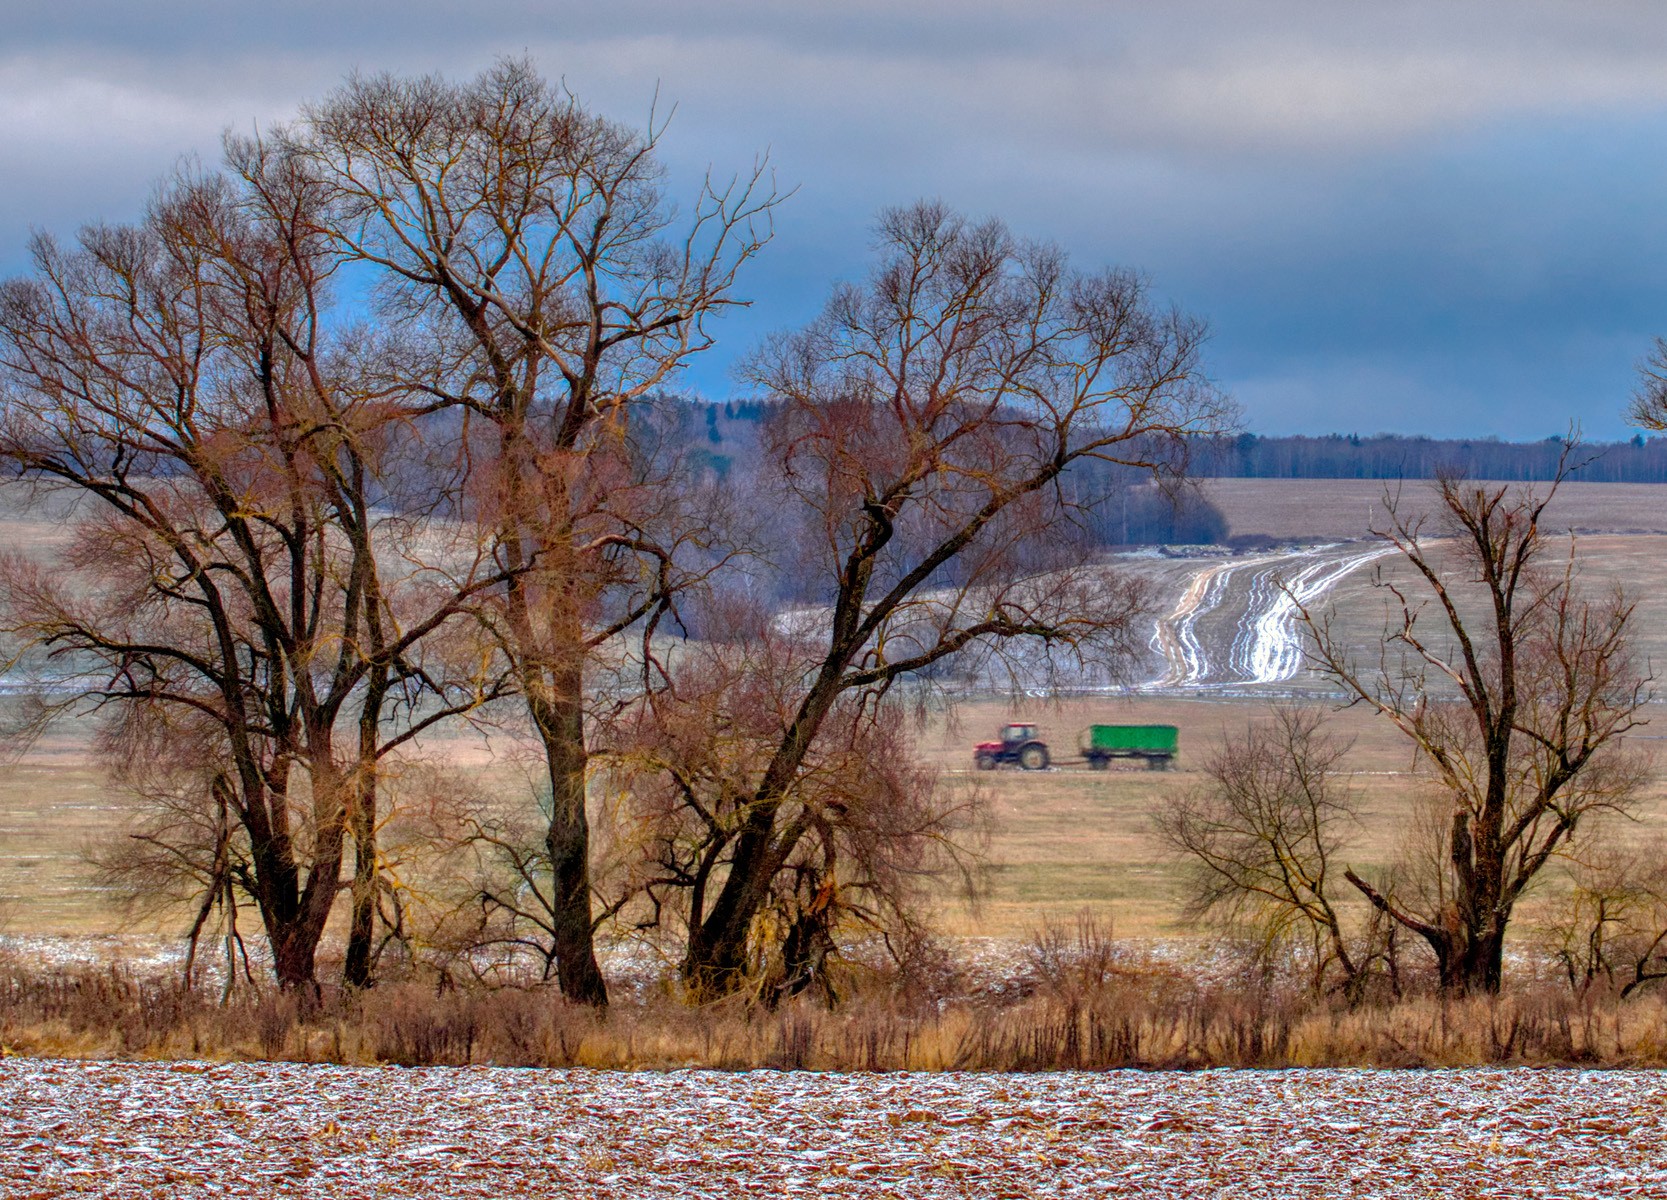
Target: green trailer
x=1157 y=744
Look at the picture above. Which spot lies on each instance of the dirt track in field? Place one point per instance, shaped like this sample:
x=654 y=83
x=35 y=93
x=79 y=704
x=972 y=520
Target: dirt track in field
x=283 y=1130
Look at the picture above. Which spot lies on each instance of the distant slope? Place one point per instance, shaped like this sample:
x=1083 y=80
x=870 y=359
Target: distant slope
x=1392 y=456
x=1350 y=508
x=1236 y=622
x=1224 y=625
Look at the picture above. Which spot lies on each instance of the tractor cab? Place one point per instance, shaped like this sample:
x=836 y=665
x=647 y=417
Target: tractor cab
x=1020 y=743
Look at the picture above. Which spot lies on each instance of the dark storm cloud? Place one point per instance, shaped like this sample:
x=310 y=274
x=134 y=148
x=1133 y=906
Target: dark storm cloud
x=1410 y=216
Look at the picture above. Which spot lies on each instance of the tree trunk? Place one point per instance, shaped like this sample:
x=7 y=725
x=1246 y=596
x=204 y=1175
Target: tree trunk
x=357 y=971
x=1480 y=968
x=278 y=890
x=715 y=961
x=295 y=916
x=293 y=959
x=560 y=722
x=1469 y=962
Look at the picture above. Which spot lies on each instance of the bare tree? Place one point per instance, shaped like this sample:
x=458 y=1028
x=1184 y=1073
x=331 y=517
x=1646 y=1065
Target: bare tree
x=236 y=596
x=525 y=245
x=1611 y=929
x=881 y=834
x=1514 y=689
x=1648 y=409
x=1262 y=835
x=923 y=423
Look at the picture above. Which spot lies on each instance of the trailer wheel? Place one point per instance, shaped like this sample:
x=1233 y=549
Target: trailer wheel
x=985 y=762
x=1034 y=757
x=1099 y=763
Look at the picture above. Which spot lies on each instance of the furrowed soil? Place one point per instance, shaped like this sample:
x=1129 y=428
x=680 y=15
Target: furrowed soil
x=185 y=1130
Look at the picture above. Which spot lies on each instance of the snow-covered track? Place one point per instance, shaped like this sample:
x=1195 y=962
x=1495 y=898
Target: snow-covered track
x=1235 y=622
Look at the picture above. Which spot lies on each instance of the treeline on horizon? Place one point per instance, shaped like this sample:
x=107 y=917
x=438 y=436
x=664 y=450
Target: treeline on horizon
x=1396 y=456
x=724 y=434
x=1108 y=504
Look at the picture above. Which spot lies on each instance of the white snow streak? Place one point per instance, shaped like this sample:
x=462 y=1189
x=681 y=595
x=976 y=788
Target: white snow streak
x=1265 y=644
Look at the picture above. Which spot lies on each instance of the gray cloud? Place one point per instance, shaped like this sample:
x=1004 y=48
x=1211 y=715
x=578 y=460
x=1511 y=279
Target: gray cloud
x=1371 y=202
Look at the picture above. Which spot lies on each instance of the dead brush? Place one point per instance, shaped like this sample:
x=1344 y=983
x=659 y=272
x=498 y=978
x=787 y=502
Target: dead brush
x=1085 y=1011
x=1072 y=959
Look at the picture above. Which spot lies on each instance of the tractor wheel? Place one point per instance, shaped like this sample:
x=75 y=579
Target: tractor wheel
x=985 y=762
x=1034 y=757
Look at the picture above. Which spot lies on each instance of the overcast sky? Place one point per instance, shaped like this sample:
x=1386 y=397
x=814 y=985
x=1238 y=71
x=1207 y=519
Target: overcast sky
x=1445 y=218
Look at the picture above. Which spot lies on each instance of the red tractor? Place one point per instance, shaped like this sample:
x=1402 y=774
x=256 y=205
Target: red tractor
x=1019 y=744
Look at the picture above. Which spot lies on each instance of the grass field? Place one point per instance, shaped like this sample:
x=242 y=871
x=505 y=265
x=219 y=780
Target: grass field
x=1061 y=841
x=55 y=805
x=1637 y=564
x=1069 y=838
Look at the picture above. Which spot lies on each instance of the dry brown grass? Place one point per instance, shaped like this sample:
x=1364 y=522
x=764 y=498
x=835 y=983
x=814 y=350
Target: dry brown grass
x=1148 y=1017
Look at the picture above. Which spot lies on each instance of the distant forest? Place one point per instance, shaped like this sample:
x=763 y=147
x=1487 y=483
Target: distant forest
x=1386 y=456
x=727 y=433
x=1120 y=507
x=1110 y=505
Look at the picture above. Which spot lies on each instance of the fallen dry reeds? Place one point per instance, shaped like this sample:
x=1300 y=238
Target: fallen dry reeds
x=1146 y=1019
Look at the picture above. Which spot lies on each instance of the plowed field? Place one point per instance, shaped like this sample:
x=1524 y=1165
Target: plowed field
x=191 y=1130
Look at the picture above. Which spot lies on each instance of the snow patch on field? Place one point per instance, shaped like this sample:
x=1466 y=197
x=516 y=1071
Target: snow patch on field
x=1236 y=623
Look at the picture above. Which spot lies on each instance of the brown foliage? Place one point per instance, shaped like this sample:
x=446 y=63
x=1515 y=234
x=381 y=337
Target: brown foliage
x=1080 y=1014
x=524 y=245
x=314 y=541
x=1611 y=932
x=234 y=603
